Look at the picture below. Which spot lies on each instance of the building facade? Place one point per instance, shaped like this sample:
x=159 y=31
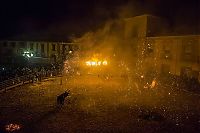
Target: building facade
x=155 y=49
x=37 y=51
x=178 y=55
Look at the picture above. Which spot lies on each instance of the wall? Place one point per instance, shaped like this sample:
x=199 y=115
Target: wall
x=178 y=52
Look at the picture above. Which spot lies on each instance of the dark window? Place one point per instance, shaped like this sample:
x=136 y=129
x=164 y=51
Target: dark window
x=53 y=47
x=5 y=44
x=37 y=47
x=165 y=69
x=53 y=58
x=13 y=44
x=63 y=48
x=134 y=32
x=22 y=44
x=67 y=47
x=58 y=47
x=47 y=49
x=150 y=47
x=42 y=48
x=149 y=50
x=187 y=50
x=31 y=46
x=70 y=48
x=76 y=47
x=166 y=51
x=167 y=54
x=186 y=72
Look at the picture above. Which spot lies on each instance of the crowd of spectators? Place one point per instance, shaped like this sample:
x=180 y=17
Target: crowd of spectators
x=38 y=71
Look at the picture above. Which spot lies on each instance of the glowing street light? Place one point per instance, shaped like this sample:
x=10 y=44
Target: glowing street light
x=27 y=54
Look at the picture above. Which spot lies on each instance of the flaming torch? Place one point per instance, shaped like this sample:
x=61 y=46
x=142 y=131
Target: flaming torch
x=94 y=63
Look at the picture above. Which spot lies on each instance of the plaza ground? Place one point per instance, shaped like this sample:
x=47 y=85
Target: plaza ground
x=100 y=104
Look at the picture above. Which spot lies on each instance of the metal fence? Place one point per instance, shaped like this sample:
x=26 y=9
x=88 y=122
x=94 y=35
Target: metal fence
x=31 y=78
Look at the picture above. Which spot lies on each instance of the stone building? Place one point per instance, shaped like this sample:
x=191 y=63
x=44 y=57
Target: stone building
x=178 y=55
x=36 y=51
x=155 y=48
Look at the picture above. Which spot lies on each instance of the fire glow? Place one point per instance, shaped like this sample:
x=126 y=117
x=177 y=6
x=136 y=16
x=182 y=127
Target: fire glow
x=12 y=127
x=96 y=63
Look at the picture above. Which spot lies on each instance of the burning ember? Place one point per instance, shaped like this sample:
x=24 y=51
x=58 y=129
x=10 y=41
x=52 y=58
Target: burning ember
x=12 y=127
x=151 y=86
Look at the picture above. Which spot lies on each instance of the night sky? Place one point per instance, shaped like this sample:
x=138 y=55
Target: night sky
x=63 y=18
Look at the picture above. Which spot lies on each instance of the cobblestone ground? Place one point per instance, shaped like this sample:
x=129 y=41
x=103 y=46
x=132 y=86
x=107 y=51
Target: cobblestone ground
x=99 y=104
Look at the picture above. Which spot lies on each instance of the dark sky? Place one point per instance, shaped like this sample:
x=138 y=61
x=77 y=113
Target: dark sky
x=61 y=18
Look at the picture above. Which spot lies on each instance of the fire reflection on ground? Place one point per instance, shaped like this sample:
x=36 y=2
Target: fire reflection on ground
x=12 y=127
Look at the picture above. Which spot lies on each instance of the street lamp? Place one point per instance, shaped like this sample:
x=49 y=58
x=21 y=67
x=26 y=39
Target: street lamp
x=27 y=54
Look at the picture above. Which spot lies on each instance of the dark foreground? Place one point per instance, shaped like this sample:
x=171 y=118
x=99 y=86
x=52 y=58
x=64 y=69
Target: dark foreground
x=99 y=104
